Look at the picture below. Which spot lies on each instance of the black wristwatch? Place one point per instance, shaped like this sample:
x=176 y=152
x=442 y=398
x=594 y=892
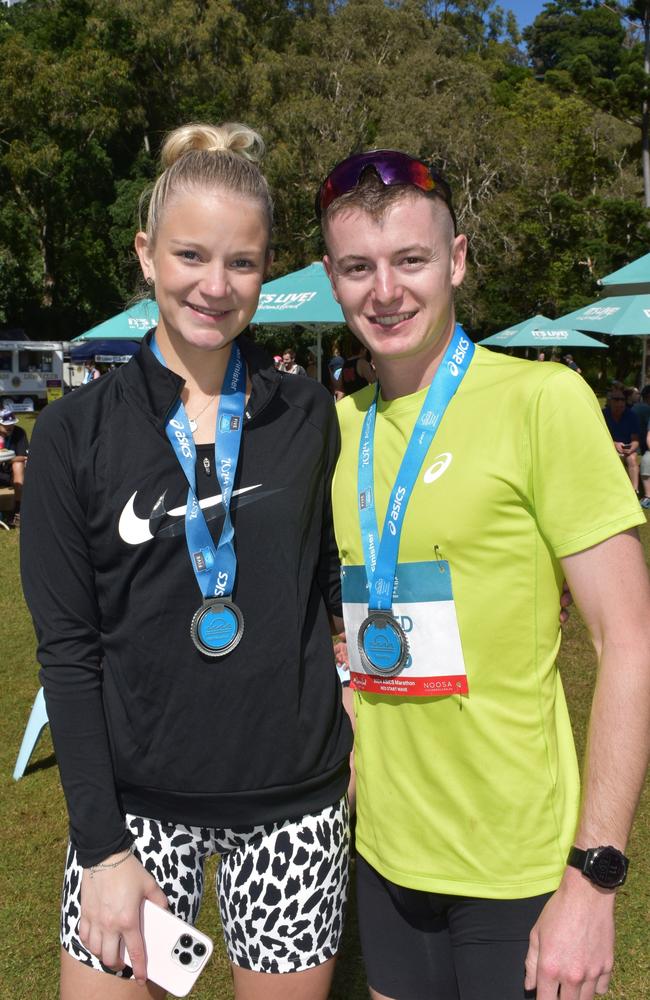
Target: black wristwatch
x=605 y=866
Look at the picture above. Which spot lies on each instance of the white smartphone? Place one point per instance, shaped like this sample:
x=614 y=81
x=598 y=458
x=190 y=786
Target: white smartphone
x=176 y=953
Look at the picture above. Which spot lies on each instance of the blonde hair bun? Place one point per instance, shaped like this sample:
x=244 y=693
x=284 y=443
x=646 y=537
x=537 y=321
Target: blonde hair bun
x=232 y=137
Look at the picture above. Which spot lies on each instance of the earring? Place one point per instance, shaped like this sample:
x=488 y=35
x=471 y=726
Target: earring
x=149 y=281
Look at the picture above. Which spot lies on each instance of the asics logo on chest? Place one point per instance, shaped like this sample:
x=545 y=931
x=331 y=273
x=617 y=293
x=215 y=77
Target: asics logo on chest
x=439 y=466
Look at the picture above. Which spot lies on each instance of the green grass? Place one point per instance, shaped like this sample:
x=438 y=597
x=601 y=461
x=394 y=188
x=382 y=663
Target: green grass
x=34 y=831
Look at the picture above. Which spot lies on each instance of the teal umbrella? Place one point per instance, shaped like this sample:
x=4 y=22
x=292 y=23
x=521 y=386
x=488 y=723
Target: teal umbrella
x=539 y=331
x=621 y=316
x=633 y=279
x=304 y=296
x=132 y=324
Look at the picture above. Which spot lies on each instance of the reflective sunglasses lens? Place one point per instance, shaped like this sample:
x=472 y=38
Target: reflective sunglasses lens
x=421 y=176
x=392 y=167
x=342 y=179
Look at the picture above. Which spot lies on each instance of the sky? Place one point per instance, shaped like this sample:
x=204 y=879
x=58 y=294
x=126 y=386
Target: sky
x=525 y=10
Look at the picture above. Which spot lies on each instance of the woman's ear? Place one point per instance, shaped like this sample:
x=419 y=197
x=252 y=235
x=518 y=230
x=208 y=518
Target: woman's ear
x=143 y=251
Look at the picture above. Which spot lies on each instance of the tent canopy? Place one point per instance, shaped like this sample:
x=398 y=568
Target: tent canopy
x=304 y=296
x=133 y=323
x=622 y=316
x=633 y=279
x=104 y=348
x=539 y=331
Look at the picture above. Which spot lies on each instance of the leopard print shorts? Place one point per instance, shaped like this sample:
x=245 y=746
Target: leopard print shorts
x=281 y=887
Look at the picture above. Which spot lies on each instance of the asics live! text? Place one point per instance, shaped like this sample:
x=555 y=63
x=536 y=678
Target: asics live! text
x=503 y=513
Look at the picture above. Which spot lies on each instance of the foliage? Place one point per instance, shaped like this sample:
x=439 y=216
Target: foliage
x=593 y=49
x=546 y=179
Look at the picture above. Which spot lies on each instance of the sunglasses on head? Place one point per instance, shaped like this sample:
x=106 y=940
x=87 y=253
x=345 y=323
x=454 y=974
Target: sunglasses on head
x=392 y=167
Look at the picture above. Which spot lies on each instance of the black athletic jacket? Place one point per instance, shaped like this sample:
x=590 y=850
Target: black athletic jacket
x=141 y=721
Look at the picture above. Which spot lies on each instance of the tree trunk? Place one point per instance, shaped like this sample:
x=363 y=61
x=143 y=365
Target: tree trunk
x=645 y=122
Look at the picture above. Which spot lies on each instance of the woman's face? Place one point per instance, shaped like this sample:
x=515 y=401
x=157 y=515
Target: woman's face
x=207 y=263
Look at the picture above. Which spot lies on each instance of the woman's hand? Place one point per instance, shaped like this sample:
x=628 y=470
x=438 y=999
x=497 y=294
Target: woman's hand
x=111 y=899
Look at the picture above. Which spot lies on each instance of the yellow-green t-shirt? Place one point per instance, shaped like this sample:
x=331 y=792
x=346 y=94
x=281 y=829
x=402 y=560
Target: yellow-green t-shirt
x=478 y=795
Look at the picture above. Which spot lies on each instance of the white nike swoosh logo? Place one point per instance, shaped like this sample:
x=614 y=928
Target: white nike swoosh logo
x=440 y=465
x=135 y=530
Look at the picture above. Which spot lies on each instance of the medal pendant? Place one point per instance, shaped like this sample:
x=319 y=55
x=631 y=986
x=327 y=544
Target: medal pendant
x=217 y=627
x=383 y=645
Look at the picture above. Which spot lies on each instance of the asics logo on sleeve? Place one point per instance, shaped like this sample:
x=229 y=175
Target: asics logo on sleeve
x=135 y=530
x=439 y=466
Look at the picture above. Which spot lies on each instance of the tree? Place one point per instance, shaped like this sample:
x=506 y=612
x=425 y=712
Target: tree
x=543 y=180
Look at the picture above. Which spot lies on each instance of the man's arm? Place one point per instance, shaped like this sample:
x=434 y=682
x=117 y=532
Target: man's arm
x=572 y=944
x=18 y=470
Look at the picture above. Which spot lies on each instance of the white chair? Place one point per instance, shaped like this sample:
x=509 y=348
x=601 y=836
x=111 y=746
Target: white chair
x=35 y=726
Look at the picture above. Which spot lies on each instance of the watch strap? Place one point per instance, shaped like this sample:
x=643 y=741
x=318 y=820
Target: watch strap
x=577 y=859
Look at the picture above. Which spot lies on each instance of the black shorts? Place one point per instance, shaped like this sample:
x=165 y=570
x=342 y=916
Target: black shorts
x=429 y=946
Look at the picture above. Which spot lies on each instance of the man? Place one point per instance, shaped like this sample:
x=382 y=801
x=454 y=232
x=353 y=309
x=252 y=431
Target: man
x=467 y=781
x=623 y=426
x=289 y=363
x=12 y=471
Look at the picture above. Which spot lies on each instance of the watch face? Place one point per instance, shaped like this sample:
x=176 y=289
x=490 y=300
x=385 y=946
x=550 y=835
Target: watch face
x=608 y=867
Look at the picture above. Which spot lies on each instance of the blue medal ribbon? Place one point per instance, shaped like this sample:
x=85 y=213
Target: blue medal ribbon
x=381 y=555
x=215 y=567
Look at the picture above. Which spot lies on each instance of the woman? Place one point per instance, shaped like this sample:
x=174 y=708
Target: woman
x=356 y=371
x=185 y=649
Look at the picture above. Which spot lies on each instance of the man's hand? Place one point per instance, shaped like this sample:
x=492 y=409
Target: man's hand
x=566 y=600
x=341 y=652
x=110 y=913
x=572 y=944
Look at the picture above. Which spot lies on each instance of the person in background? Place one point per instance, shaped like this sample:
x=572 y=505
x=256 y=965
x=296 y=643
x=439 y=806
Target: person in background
x=356 y=371
x=92 y=372
x=570 y=363
x=277 y=361
x=311 y=368
x=623 y=426
x=480 y=873
x=334 y=365
x=186 y=654
x=289 y=364
x=641 y=410
x=12 y=470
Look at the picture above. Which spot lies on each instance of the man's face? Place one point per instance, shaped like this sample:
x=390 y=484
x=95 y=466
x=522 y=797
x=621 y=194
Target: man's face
x=394 y=278
x=288 y=358
x=617 y=402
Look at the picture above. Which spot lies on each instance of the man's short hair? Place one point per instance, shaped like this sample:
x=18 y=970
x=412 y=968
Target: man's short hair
x=375 y=198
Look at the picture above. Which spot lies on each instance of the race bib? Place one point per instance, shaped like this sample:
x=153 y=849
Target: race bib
x=423 y=604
